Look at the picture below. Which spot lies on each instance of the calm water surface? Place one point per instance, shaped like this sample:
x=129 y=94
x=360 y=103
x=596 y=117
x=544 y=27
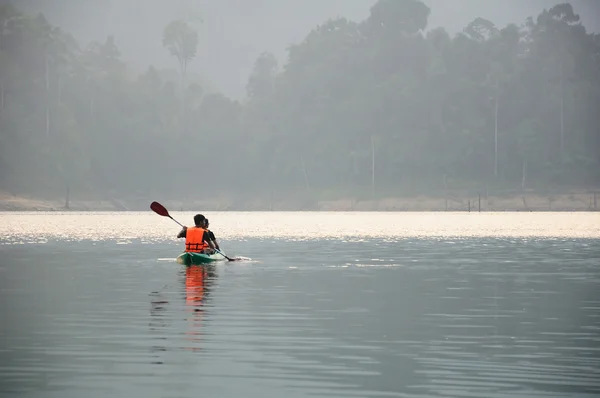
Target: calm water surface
x=324 y=305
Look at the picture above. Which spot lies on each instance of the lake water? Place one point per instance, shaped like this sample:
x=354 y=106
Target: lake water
x=323 y=305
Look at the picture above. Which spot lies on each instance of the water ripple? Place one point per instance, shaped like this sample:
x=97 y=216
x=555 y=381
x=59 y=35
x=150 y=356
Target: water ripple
x=387 y=316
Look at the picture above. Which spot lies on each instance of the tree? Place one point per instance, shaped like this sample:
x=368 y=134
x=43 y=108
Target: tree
x=356 y=105
x=8 y=19
x=261 y=81
x=554 y=36
x=481 y=30
x=398 y=17
x=182 y=42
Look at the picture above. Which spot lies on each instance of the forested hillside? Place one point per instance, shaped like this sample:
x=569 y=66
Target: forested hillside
x=375 y=106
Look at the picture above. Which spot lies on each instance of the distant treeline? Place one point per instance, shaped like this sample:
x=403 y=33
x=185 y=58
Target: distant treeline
x=377 y=104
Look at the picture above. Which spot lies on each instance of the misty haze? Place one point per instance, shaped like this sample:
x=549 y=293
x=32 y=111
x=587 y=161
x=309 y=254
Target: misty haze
x=314 y=105
x=299 y=198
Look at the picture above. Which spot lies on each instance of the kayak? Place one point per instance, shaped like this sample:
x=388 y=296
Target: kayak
x=187 y=258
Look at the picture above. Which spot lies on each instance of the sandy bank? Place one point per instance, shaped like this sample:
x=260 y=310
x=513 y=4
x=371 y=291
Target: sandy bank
x=580 y=201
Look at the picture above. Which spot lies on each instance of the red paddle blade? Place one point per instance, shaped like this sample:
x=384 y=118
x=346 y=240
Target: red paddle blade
x=159 y=209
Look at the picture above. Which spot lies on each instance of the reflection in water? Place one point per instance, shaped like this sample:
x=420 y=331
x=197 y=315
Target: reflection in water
x=198 y=280
x=158 y=325
x=370 y=318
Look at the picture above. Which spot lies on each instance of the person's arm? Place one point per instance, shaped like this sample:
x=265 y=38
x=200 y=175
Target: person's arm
x=182 y=233
x=214 y=240
x=206 y=238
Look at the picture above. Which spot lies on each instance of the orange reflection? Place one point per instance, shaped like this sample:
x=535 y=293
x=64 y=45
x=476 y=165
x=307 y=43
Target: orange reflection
x=194 y=284
x=196 y=290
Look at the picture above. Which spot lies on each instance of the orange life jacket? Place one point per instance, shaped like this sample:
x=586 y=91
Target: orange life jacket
x=194 y=241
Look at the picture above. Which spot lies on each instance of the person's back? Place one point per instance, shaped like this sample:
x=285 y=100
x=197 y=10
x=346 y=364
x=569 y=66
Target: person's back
x=197 y=239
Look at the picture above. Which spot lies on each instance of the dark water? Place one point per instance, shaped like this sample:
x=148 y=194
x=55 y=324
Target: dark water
x=474 y=317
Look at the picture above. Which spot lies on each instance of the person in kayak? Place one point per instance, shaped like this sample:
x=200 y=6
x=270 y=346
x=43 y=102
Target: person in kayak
x=211 y=235
x=197 y=238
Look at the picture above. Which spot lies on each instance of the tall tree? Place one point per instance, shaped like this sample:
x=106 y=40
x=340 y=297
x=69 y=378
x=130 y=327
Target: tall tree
x=262 y=77
x=182 y=42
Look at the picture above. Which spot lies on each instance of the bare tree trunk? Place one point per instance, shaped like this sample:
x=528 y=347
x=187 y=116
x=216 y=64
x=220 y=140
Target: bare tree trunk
x=445 y=181
x=1 y=95
x=2 y=29
x=47 y=121
x=181 y=77
x=59 y=89
x=47 y=70
x=305 y=174
x=182 y=67
x=562 y=114
x=91 y=98
x=67 y=196
x=47 y=73
x=92 y=106
x=524 y=173
x=373 y=165
x=496 y=134
x=183 y=73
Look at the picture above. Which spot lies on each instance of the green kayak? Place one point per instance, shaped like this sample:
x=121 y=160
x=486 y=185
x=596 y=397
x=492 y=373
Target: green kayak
x=198 y=258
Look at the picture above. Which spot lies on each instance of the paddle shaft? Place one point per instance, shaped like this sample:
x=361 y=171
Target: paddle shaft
x=223 y=254
x=182 y=226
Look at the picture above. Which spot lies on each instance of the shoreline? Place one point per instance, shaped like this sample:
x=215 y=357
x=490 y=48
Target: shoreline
x=566 y=202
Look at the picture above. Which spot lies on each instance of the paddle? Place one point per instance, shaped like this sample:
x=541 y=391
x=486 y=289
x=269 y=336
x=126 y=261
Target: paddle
x=223 y=254
x=162 y=211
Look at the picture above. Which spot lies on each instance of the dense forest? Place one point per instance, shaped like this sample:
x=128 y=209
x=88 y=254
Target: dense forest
x=384 y=106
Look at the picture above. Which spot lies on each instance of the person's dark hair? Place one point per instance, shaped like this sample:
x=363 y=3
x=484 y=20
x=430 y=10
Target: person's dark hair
x=206 y=222
x=199 y=220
